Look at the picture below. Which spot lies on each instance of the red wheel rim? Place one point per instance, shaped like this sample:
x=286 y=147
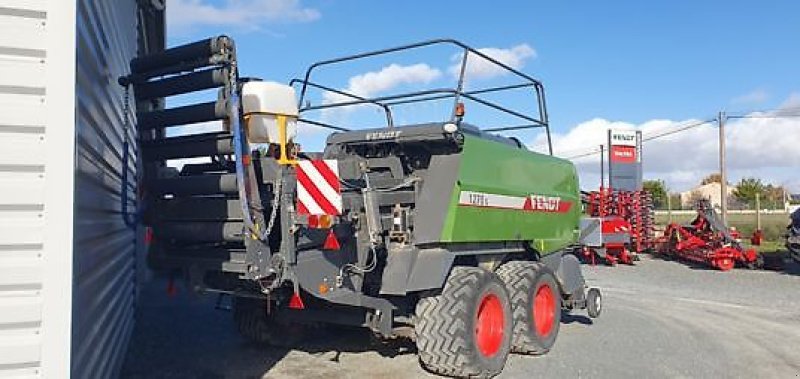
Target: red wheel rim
x=544 y=310
x=489 y=325
x=725 y=264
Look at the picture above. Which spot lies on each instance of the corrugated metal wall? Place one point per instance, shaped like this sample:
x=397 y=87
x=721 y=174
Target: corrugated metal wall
x=104 y=282
x=22 y=183
x=67 y=261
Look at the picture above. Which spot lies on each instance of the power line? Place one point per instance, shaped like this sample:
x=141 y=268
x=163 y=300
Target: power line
x=678 y=130
x=767 y=116
x=593 y=152
x=775 y=111
x=644 y=139
x=682 y=128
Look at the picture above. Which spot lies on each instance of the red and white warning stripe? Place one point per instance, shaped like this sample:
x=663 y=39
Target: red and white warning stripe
x=318 y=190
x=532 y=203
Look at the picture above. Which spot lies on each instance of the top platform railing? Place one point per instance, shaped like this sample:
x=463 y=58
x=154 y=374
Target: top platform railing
x=536 y=120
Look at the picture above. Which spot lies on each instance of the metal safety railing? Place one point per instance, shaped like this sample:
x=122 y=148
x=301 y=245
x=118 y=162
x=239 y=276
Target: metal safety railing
x=537 y=120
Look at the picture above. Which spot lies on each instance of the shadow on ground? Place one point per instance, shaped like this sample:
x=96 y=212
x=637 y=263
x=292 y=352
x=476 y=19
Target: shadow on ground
x=185 y=336
x=778 y=261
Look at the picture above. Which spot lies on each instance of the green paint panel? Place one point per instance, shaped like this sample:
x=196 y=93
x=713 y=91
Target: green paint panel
x=495 y=168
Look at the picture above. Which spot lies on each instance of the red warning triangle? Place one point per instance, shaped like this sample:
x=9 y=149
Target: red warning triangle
x=296 y=302
x=331 y=243
x=528 y=206
x=148 y=236
x=172 y=289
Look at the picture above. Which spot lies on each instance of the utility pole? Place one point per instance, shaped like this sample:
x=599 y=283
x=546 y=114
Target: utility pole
x=758 y=211
x=602 y=166
x=723 y=175
x=669 y=207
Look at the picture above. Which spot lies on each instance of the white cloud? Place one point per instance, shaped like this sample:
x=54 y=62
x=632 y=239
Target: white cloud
x=755 y=97
x=480 y=68
x=244 y=14
x=765 y=147
x=374 y=83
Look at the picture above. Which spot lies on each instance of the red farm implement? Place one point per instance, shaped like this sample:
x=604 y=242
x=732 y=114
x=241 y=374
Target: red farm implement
x=707 y=241
x=619 y=226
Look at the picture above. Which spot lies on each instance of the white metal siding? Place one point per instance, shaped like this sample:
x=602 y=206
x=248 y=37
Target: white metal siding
x=67 y=261
x=104 y=273
x=23 y=45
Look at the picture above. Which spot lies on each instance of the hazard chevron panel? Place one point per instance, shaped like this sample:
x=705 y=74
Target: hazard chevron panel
x=318 y=188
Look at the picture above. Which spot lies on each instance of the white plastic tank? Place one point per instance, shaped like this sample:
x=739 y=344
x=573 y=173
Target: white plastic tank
x=261 y=103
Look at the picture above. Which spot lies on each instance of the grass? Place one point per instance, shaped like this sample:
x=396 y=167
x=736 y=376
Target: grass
x=772 y=225
x=767 y=247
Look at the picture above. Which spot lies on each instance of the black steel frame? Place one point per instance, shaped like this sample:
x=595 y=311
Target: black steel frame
x=457 y=93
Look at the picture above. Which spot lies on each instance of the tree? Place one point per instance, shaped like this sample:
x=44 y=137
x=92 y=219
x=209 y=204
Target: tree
x=746 y=190
x=658 y=190
x=713 y=178
x=773 y=197
x=694 y=197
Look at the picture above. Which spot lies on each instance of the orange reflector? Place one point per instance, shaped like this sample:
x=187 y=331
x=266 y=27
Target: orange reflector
x=331 y=243
x=296 y=302
x=325 y=221
x=323 y=288
x=148 y=236
x=460 y=110
x=320 y=221
x=246 y=159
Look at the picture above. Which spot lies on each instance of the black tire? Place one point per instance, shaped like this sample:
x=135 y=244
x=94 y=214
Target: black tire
x=255 y=325
x=524 y=280
x=594 y=303
x=447 y=326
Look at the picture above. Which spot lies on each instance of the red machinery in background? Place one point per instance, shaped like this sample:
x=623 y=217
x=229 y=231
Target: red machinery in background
x=619 y=226
x=706 y=240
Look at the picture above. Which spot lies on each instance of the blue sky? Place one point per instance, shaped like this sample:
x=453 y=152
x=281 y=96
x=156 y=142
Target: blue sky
x=625 y=63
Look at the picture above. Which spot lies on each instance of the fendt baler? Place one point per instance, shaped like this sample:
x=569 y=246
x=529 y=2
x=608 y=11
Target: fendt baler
x=793 y=236
x=443 y=227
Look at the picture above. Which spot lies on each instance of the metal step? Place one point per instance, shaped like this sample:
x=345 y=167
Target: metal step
x=190 y=114
x=199 y=145
x=237 y=263
x=238 y=256
x=236 y=267
x=208 y=184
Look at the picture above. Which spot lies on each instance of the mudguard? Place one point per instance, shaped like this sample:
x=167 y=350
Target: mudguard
x=569 y=275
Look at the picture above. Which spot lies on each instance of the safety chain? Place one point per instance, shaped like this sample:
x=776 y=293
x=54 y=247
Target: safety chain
x=126 y=112
x=270 y=225
x=276 y=201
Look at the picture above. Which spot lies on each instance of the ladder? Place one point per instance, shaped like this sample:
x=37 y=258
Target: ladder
x=200 y=216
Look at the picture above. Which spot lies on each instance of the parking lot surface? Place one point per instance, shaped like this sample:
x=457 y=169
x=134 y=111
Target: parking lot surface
x=660 y=319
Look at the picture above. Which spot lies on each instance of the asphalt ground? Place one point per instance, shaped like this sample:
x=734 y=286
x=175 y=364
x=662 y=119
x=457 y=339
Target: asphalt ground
x=661 y=319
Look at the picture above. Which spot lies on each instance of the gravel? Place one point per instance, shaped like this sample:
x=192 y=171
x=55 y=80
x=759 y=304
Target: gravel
x=660 y=319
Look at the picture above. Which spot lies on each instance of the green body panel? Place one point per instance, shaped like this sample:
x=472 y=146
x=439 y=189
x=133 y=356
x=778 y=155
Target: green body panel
x=495 y=168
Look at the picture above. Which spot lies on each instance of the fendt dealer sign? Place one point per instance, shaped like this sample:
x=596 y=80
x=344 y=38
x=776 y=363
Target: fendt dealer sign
x=624 y=159
x=623 y=146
